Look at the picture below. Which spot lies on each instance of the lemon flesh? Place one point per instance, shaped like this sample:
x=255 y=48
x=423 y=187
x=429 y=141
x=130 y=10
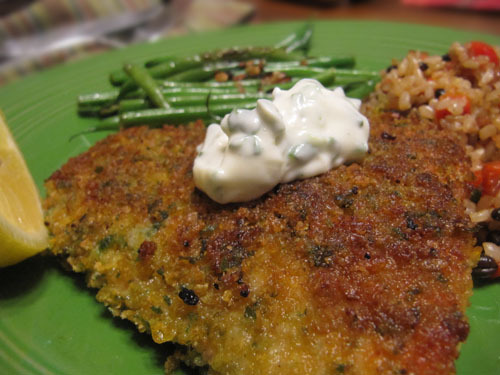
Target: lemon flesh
x=22 y=231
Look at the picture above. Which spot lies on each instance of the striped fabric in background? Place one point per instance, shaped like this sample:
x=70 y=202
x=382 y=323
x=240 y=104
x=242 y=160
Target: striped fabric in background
x=43 y=15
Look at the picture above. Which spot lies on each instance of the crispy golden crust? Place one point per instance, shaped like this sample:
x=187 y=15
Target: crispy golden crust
x=363 y=270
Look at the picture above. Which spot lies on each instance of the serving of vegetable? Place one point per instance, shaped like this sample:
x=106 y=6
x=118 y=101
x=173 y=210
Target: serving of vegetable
x=175 y=90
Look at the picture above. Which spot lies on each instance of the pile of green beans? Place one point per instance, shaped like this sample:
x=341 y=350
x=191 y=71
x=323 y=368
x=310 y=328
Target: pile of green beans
x=172 y=90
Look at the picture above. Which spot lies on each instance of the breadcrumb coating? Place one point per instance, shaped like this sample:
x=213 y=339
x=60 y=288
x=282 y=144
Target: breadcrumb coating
x=362 y=270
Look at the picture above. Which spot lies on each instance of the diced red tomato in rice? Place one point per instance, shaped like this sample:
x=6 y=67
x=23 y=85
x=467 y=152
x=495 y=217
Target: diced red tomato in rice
x=441 y=113
x=490 y=179
x=477 y=48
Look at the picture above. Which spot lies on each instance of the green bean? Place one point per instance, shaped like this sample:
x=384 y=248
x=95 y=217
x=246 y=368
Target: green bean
x=306 y=71
x=186 y=91
x=326 y=78
x=299 y=40
x=197 y=74
x=109 y=124
x=128 y=105
x=298 y=71
x=118 y=78
x=90 y=111
x=246 y=84
x=196 y=100
x=161 y=60
x=194 y=74
x=99 y=98
x=144 y=80
x=214 y=84
x=109 y=110
x=173 y=67
x=361 y=91
x=343 y=80
x=181 y=101
x=328 y=62
x=317 y=62
x=176 y=115
x=160 y=70
x=363 y=74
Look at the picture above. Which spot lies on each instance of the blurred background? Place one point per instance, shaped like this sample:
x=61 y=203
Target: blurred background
x=36 y=34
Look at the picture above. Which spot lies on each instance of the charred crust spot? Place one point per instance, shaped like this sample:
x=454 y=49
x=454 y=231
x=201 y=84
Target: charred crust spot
x=457 y=326
x=410 y=224
x=227 y=251
x=344 y=201
x=186 y=243
x=367 y=256
x=154 y=205
x=216 y=286
x=433 y=252
x=244 y=290
x=387 y=136
x=188 y=296
x=147 y=250
x=321 y=256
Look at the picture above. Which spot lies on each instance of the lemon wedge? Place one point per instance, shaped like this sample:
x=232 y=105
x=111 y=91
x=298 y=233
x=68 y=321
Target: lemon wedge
x=22 y=231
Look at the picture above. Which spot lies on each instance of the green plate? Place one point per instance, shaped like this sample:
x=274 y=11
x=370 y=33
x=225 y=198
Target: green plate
x=49 y=322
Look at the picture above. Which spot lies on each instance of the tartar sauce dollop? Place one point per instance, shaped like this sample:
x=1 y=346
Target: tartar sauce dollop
x=302 y=132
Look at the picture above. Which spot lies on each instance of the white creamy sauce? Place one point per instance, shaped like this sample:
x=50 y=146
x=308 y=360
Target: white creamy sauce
x=302 y=132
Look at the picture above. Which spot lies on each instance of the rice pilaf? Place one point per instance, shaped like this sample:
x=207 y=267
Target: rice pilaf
x=461 y=91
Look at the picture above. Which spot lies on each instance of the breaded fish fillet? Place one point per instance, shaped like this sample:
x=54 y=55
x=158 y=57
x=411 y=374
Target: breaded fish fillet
x=362 y=270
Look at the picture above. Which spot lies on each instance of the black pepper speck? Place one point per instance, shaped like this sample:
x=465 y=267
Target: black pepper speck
x=475 y=195
x=423 y=66
x=389 y=68
x=438 y=93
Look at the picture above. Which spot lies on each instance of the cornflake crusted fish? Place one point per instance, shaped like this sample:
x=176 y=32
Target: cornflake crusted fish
x=362 y=270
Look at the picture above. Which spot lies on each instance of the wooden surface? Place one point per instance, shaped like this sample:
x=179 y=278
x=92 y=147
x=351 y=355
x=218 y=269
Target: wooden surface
x=381 y=10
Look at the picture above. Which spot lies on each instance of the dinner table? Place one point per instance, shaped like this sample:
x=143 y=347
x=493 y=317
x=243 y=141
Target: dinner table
x=459 y=15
